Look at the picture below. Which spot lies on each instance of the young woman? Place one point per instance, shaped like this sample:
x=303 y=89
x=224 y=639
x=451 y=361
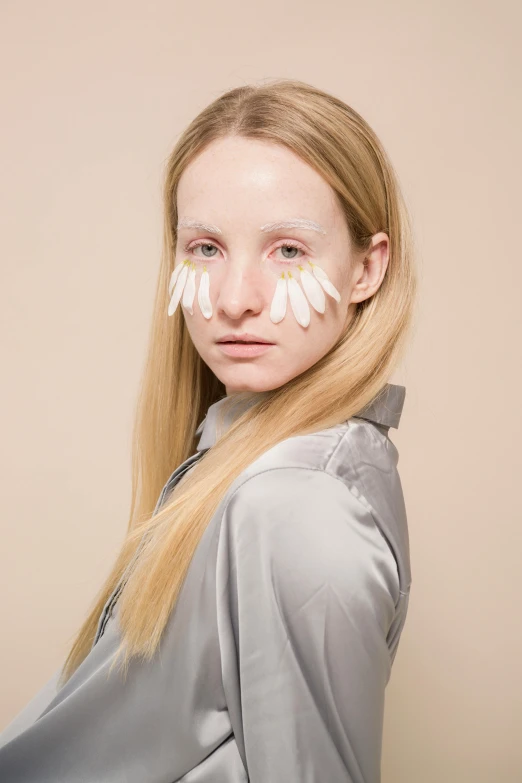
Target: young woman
x=261 y=590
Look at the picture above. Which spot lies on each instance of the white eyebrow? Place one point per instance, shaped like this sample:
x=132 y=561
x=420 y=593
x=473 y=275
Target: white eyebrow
x=294 y=223
x=268 y=227
x=189 y=223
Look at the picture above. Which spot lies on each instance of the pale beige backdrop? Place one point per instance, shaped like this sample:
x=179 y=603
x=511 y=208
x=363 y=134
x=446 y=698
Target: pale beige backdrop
x=93 y=98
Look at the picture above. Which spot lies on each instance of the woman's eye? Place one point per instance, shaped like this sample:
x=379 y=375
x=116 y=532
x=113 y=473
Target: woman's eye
x=205 y=246
x=292 y=249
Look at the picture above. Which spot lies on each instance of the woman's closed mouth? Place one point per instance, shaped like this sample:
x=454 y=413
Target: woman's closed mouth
x=243 y=346
x=245 y=338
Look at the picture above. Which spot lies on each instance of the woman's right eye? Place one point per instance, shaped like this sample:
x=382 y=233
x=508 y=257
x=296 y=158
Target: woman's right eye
x=205 y=247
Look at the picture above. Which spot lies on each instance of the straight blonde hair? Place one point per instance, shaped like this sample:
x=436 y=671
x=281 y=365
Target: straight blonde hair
x=177 y=387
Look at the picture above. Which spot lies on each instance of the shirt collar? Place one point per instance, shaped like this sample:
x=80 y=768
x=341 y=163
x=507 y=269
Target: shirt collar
x=385 y=409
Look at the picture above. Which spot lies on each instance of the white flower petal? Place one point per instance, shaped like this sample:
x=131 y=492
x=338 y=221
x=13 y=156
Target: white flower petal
x=325 y=282
x=174 y=276
x=318 y=272
x=178 y=289
x=190 y=290
x=313 y=290
x=204 y=294
x=278 y=307
x=298 y=301
x=331 y=289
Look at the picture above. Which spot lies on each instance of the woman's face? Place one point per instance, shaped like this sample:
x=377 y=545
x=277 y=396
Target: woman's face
x=237 y=188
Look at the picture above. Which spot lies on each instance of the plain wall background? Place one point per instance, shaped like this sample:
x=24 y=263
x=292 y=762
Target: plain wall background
x=94 y=97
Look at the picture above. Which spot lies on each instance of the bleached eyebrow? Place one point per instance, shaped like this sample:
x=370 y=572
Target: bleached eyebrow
x=267 y=228
x=294 y=223
x=189 y=223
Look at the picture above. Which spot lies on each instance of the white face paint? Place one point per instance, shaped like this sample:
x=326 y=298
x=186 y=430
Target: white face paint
x=241 y=203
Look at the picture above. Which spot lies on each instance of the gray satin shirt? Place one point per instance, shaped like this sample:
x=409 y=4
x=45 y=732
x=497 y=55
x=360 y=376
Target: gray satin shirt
x=275 y=660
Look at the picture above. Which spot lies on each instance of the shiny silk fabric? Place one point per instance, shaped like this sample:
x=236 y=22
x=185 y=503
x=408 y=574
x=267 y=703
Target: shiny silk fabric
x=275 y=660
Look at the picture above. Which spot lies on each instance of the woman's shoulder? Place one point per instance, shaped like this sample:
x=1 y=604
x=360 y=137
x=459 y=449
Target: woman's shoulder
x=357 y=453
x=337 y=450
x=316 y=484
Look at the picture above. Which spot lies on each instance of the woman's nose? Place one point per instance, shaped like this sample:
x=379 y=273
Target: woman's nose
x=240 y=290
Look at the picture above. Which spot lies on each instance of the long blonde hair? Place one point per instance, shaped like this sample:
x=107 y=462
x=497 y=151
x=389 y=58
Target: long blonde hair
x=177 y=387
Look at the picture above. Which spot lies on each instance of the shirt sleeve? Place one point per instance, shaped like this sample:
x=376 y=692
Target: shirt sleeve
x=28 y=714
x=307 y=590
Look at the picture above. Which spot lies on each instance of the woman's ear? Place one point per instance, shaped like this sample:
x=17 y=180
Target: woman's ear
x=370 y=269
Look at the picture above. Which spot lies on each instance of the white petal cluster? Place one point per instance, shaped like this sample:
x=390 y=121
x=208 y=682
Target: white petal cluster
x=314 y=284
x=182 y=287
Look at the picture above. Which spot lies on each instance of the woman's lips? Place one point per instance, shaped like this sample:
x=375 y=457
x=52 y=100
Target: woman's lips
x=245 y=350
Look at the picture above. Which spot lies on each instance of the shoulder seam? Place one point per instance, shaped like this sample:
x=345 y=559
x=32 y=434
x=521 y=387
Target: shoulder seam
x=366 y=506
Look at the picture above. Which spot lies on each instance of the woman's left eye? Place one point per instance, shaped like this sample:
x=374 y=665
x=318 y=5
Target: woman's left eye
x=290 y=246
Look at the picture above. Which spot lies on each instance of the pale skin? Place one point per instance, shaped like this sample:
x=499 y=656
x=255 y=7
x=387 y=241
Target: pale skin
x=239 y=186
